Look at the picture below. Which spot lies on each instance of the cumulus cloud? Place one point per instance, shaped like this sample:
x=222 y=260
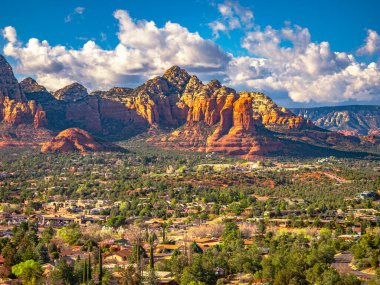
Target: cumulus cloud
x=372 y=44
x=77 y=11
x=233 y=16
x=10 y=34
x=169 y=44
x=287 y=59
x=144 y=50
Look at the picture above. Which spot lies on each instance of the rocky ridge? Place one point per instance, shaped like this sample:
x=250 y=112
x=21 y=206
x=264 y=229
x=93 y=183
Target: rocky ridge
x=349 y=120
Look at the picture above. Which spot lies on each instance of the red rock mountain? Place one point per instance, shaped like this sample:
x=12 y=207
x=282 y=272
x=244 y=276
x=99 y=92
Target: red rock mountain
x=75 y=139
x=14 y=107
x=184 y=112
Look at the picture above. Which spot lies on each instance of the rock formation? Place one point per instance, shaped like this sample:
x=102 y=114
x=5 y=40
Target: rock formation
x=184 y=113
x=15 y=109
x=75 y=139
x=9 y=86
x=71 y=93
x=221 y=120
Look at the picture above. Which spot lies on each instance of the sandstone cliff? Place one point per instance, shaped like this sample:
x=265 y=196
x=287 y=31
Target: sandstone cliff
x=15 y=109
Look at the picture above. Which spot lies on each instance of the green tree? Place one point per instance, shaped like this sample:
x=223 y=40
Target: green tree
x=63 y=274
x=195 y=248
x=100 y=266
x=47 y=235
x=9 y=253
x=198 y=271
x=130 y=277
x=70 y=234
x=29 y=271
x=41 y=253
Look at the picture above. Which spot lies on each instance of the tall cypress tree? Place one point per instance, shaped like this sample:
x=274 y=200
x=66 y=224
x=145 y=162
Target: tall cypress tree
x=89 y=268
x=151 y=255
x=100 y=266
x=85 y=272
x=164 y=233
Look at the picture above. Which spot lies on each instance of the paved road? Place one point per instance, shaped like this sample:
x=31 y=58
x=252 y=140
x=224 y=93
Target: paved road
x=342 y=262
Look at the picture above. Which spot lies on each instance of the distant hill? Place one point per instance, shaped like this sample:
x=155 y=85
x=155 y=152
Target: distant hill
x=355 y=119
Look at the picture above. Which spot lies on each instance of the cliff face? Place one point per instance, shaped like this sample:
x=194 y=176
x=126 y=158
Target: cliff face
x=240 y=130
x=9 y=86
x=349 y=120
x=15 y=109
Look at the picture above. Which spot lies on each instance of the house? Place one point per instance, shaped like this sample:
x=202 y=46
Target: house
x=119 y=256
x=366 y=195
x=167 y=248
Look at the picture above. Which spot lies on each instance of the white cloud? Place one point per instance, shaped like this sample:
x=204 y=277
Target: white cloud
x=10 y=34
x=144 y=50
x=77 y=11
x=372 y=44
x=171 y=44
x=233 y=16
x=306 y=70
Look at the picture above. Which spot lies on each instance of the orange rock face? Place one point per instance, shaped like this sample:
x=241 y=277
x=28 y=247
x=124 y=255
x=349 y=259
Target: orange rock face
x=40 y=120
x=237 y=134
x=14 y=108
x=15 y=113
x=75 y=139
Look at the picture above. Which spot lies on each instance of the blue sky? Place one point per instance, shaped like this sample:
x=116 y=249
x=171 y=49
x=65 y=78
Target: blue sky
x=238 y=47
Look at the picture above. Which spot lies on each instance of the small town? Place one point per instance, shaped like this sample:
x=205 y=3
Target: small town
x=79 y=230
